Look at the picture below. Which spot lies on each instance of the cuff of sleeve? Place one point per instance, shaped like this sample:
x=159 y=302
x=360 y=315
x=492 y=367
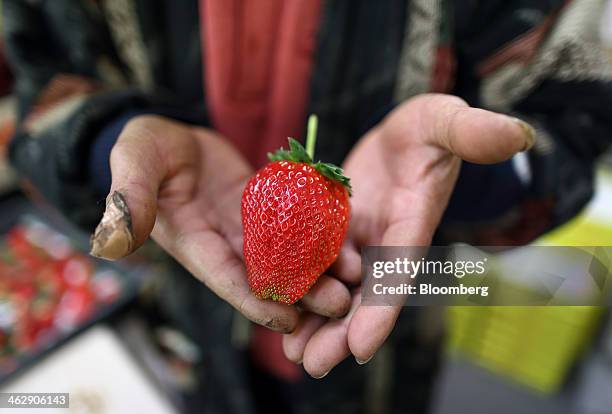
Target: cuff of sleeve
x=99 y=152
x=487 y=192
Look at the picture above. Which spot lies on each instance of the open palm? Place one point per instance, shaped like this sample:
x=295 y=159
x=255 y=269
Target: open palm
x=183 y=185
x=403 y=173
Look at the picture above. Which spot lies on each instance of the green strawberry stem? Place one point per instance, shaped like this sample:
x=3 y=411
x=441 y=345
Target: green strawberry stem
x=311 y=135
x=297 y=153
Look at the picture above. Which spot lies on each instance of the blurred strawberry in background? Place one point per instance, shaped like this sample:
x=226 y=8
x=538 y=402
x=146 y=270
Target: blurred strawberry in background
x=7 y=177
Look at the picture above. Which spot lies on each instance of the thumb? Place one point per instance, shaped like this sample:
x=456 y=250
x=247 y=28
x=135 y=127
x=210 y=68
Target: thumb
x=473 y=134
x=138 y=169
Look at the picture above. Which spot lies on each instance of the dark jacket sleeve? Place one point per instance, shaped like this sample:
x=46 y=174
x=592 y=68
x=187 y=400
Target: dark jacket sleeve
x=69 y=84
x=543 y=62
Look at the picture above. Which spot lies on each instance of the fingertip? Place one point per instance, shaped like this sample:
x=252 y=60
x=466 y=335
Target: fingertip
x=294 y=343
x=510 y=136
x=326 y=349
x=344 y=306
x=328 y=297
x=315 y=371
x=369 y=329
x=481 y=136
x=321 y=376
x=273 y=315
x=291 y=350
x=348 y=265
x=529 y=133
x=364 y=361
x=284 y=323
x=113 y=238
x=492 y=137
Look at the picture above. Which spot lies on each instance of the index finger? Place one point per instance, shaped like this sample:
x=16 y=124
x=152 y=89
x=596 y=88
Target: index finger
x=209 y=257
x=371 y=325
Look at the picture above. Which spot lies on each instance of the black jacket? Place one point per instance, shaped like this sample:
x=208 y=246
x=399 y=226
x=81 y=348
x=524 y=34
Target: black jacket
x=79 y=64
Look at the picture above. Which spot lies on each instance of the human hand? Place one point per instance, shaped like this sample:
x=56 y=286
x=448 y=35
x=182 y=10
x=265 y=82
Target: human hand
x=183 y=185
x=403 y=173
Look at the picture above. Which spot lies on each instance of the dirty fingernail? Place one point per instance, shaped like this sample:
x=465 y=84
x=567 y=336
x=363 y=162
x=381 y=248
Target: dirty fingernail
x=280 y=324
x=529 y=133
x=321 y=376
x=363 y=361
x=113 y=238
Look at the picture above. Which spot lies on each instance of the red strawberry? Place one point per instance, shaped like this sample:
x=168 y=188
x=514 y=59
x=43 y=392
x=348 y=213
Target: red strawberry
x=295 y=214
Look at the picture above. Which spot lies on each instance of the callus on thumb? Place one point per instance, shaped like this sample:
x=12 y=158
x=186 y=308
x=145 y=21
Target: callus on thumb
x=113 y=238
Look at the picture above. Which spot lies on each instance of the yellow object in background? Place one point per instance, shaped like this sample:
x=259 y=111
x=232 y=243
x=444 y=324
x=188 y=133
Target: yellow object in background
x=594 y=226
x=537 y=346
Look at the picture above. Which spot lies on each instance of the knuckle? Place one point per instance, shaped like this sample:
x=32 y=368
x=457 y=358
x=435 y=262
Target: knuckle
x=145 y=122
x=446 y=122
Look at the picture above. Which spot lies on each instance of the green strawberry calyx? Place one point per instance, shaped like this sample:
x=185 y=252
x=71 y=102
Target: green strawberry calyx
x=297 y=153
